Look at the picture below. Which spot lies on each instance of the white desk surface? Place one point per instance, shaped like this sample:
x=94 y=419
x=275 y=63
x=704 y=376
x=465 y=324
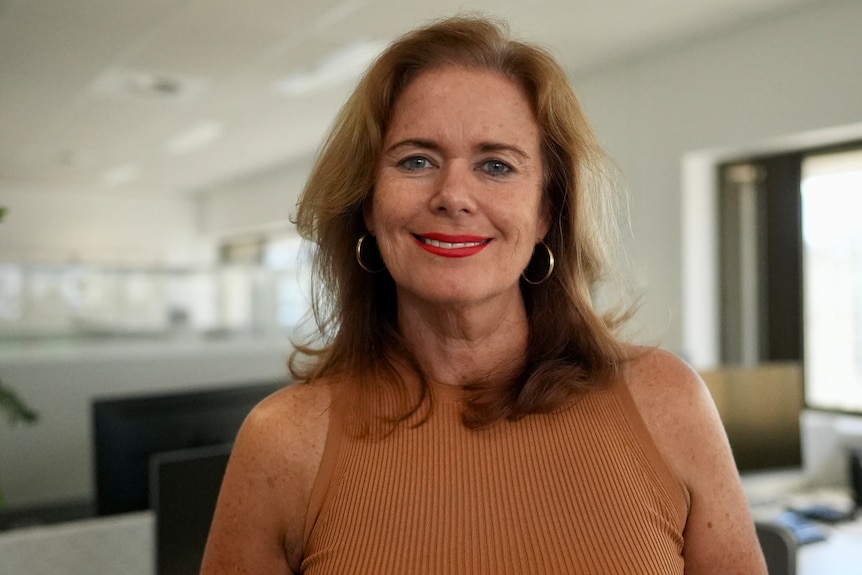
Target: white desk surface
x=114 y=545
x=841 y=552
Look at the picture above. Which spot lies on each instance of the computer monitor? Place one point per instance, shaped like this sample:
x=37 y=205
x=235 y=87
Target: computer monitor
x=184 y=488
x=759 y=407
x=128 y=431
x=828 y=440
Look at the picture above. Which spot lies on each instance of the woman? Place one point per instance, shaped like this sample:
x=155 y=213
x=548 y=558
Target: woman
x=468 y=410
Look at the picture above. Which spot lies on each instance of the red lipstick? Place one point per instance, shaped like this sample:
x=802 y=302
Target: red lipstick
x=452 y=246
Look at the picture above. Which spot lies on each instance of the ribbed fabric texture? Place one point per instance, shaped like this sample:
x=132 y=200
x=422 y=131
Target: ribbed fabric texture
x=579 y=491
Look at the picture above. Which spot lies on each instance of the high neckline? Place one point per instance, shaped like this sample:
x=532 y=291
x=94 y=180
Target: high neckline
x=446 y=392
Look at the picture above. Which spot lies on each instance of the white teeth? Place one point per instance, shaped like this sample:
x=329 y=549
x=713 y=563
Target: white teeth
x=450 y=246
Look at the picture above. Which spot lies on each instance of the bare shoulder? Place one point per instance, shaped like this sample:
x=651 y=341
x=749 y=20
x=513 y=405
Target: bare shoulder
x=682 y=419
x=260 y=515
x=287 y=430
x=295 y=417
x=675 y=405
x=654 y=370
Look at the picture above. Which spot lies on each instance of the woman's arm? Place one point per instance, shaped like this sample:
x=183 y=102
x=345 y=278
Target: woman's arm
x=682 y=418
x=260 y=516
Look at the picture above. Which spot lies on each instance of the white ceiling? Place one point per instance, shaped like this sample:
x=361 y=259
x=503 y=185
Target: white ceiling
x=178 y=96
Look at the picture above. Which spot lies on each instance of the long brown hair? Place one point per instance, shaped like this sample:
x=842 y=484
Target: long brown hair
x=572 y=346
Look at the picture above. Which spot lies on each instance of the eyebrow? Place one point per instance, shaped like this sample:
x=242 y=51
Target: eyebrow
x=499 y=147
x=414 y=143
x=432 y=145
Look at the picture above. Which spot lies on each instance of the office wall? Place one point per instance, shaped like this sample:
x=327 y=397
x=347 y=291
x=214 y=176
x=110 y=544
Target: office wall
x=668 y=117
x=261 y=201
x=76 y=226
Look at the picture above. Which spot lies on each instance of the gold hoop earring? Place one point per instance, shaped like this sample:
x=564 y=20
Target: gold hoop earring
x=550 y=265
x=359 y=257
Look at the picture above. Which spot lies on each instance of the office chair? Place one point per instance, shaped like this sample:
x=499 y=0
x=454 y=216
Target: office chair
x=779 y=547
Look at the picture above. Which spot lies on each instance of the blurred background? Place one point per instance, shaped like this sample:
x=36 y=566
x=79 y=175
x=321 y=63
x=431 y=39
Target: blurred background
x=151 y=155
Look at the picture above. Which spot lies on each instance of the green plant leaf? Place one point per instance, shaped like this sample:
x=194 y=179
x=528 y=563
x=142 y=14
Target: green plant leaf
x=16 y=410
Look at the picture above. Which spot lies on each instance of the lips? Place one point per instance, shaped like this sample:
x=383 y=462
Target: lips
x=451 y=246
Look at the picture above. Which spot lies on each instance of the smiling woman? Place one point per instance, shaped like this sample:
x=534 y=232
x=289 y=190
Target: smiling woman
x=458 y=413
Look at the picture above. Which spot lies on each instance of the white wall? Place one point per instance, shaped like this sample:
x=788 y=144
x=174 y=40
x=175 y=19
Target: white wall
x=77 y=226
x=262 y=201
x=673 y=114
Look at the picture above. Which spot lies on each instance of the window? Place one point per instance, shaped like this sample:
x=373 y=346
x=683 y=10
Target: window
x=832 y=280
x=760 y=243
x=791 y=268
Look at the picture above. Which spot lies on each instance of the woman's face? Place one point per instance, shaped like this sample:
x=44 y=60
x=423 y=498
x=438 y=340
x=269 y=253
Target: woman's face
x=457 y=205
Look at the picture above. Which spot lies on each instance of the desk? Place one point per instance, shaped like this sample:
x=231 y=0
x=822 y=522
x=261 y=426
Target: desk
x=841 y=553
x=114 y=545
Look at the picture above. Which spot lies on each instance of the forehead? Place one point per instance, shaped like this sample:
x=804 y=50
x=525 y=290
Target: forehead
x=451 y=98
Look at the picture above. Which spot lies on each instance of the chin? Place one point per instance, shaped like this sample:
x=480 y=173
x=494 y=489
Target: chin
x=462 y=293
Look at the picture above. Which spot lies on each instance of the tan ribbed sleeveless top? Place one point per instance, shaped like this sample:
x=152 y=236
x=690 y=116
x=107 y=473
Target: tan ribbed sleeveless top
x=583 y=490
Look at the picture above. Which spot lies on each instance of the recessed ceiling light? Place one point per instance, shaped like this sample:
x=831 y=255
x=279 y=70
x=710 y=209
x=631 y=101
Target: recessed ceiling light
x=148 y=85
x=340 y=66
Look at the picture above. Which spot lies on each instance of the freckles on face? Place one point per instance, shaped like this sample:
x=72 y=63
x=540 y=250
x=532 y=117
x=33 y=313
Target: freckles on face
x=458 y=192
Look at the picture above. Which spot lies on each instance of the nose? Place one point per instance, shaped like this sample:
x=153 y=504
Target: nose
x=454 y=190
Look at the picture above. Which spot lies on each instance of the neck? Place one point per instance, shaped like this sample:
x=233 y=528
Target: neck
x=458 y=344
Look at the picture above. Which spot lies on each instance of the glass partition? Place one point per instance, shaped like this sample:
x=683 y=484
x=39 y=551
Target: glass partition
x=40 y=301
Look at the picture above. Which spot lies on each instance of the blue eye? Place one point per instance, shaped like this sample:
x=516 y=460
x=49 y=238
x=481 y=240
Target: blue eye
x=416 y=163
x=497 y=167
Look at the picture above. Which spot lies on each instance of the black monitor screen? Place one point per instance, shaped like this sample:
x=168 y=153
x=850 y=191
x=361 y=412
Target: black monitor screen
x=184 y=488
x=128 y=431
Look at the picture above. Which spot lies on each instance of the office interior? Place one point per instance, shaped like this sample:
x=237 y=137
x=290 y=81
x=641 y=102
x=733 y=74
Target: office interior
x=110 y=291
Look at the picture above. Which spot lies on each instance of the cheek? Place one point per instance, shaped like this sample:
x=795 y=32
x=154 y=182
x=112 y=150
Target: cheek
x=529 y=221
x=389 y=232
x=542 y=219
x=377 y=213
x=525 y=243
